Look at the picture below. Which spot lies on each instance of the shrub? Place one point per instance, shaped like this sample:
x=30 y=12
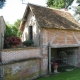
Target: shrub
x=12 y=41
x=28 y=42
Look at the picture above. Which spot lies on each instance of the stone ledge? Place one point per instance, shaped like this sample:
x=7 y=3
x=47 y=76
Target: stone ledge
x=20 y=60
x=16 y=49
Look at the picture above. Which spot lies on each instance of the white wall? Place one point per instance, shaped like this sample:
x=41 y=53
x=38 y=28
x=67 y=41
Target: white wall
x=31 y=21
x=2 y=30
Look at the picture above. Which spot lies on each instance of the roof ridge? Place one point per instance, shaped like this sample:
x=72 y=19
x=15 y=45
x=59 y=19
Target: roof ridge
x=58 y=9
x=37 y=5
x=52 y=18
x=48 y=7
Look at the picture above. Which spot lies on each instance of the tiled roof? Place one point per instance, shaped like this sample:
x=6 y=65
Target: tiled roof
x=52 y=18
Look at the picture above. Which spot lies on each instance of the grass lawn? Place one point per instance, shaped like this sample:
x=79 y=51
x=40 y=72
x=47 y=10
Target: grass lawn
x=70 y=75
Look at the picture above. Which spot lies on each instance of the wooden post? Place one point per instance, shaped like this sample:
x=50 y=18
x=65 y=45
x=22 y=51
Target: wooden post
x=49 y=60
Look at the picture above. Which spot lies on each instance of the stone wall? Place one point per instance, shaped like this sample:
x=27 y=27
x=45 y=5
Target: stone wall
x=18 y=54
x=31 y=21
x=55 y=38
x=44 y=60
x=68 y=59
x=73 y=59
x=25 y=70
x=21 y=64
x=58 y=37
x=78 y=57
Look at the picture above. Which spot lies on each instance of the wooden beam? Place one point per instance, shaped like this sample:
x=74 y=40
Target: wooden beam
x=55 y=35
x=76 y=38
x=65 y=38
x=64 y=45
x=49 y=60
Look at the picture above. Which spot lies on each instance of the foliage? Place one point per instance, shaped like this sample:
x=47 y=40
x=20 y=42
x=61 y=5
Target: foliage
x=77 y=11
x=12 y=41
x=59 y=3
x=28 y=42
x=78 y=1
x=66 y=52
x=16 y=26
x=2 y=3
x=69 y=52
x=62 y=53
x=9 y=32
x=12 y=34
x=13 y=30
x=17 y=23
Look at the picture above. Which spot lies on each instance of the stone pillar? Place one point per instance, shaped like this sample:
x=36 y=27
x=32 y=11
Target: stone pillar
x=44 y=60
x=78 y=57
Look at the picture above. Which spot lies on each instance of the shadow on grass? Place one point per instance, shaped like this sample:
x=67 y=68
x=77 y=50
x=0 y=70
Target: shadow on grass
x=63 y=69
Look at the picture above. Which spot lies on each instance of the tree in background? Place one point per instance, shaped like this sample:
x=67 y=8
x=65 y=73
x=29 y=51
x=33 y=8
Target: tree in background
x=59 y=3
x=66 y=4
x=13 y=30
x=77 y=11
x=78 y=7
x=78 y=1
x=13 y=34
x=8 y=30
x=17 y=25
x=2 y=3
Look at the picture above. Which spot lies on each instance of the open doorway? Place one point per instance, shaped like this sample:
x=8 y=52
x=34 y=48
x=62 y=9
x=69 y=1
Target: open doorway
x=70 y=59
x=30 y=33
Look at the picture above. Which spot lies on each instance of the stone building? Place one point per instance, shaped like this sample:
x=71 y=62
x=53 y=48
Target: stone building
x=53 y=31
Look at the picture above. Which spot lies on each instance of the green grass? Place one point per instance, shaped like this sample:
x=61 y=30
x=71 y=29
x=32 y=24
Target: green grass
x=70 y=75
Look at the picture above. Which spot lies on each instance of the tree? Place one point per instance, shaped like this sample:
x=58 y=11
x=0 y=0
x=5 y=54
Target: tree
x=13 y=30
x=8 y=30
x=59 y=3
x=16 y=27
x=78 y=7
x=78 y=1
x=2 y=2
x=77 y=10
x=12 y=35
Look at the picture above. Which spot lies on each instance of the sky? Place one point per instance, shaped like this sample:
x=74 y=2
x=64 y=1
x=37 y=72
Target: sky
x=14 y=9
x=74 y=4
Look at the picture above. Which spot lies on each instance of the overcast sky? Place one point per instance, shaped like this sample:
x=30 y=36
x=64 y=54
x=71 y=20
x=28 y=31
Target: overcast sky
x=14 y=9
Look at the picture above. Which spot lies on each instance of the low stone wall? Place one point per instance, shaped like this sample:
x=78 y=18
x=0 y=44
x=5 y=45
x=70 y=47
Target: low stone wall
x=25 y=70
x=21 y=64
x=9 y=55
